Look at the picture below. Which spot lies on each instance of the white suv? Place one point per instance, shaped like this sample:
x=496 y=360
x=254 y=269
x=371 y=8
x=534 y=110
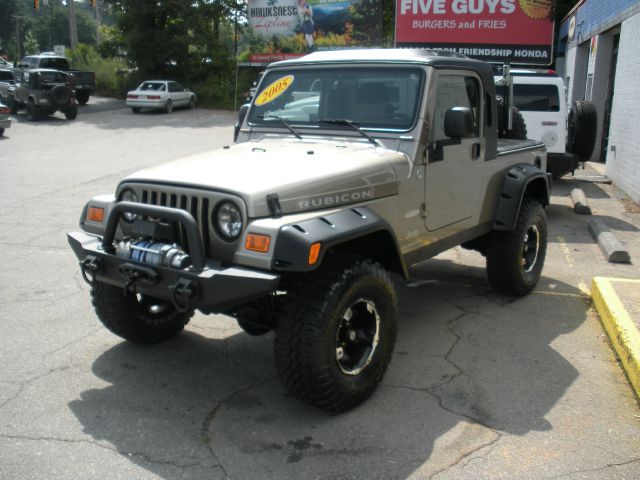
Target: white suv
x=569 y=134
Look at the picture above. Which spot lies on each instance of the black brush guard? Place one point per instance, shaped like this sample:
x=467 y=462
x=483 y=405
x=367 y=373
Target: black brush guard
x=206 y=285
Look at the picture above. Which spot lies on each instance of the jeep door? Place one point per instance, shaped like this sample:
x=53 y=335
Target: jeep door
x=454 y=174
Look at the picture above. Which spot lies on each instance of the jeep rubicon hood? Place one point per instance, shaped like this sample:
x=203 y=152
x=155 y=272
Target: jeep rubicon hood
x=304 y=175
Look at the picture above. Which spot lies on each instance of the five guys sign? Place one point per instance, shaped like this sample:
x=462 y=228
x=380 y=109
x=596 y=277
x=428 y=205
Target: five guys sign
x=518 y=31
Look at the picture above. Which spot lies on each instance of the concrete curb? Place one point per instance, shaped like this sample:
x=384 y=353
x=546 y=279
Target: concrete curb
x=608 y=242
x=580 y=203
x=622 y=331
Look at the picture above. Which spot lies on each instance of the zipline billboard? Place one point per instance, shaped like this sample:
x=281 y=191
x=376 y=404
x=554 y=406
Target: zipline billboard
x=282 y=29
x=518 y=31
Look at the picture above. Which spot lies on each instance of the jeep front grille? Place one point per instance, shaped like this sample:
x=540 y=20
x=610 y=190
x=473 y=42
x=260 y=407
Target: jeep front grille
x=197 y=206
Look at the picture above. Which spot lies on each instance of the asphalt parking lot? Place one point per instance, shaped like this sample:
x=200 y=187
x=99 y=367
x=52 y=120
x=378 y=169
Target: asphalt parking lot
x=480 y=386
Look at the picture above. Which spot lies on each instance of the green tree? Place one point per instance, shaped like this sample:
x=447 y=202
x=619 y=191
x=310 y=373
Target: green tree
x=30 y=44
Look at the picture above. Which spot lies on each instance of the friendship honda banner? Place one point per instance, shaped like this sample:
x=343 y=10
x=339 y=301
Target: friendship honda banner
x=281 y=29
x=518 y=31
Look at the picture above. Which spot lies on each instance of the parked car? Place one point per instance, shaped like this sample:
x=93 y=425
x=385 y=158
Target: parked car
x=160 y=94
x=43 y=92
x=568 y=131
x=83 y=82
x=7 y=87
x=5 y=121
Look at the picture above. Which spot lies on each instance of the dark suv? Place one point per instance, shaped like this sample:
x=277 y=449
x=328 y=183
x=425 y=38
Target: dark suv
x=44 y=92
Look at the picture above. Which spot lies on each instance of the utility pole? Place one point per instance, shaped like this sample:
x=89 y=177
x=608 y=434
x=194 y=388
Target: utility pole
x=73 y=31
x=51 y=25
x=97 y=6
x=17 y=19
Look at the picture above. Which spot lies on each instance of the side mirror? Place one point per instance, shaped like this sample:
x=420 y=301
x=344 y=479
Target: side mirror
x=458 y=122
x=242 y=113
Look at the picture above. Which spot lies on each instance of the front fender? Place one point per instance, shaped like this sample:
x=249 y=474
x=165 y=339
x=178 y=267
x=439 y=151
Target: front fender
x=355 y=230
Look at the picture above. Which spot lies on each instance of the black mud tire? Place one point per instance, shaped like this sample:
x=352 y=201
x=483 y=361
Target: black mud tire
x=515 y=259
x=71 y=112
x=519 y=126
x=13 y=105
x=136 y=318
x=135 y=109
x=33 y=111
x=59 y=96
x=82 y=97
x=582 y=130
x=1 y=132
x=312 y=360
x=168 y=107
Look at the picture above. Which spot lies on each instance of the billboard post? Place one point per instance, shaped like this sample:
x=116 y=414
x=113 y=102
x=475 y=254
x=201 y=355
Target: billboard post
x=515 y=31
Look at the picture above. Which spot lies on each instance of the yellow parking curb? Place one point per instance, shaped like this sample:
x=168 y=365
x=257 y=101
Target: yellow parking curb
x=622 y=331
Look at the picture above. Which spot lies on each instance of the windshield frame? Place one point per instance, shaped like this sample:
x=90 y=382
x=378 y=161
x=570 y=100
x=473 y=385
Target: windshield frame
x=320 y=123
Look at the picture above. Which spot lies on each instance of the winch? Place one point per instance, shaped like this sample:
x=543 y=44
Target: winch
x=153 y=253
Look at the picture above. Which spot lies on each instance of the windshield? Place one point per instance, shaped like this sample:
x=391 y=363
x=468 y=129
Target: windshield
x=384 y=98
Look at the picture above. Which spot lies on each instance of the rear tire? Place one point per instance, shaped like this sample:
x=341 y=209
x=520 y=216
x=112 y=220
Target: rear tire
x=1 y=132
x=82 y=97
x=33 y=111
x=71 y=113
x=14 y=105
x=137 y=318
x=515 y=259
x=336 y=336
x=135 y=109
x=582 y=129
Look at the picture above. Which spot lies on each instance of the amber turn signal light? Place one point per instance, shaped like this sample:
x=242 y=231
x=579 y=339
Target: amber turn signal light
x=257 y=243
x=314 y=253
x=95 y=214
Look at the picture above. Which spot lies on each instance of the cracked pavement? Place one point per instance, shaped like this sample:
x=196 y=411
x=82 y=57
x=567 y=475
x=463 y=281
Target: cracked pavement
x=480 y=386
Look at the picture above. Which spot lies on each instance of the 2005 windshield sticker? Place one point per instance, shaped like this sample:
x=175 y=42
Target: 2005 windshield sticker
x=274 y=90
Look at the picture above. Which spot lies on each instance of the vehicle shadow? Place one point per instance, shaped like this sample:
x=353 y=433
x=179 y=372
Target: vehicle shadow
x=470 y=366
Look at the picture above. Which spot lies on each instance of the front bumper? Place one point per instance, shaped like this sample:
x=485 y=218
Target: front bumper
x=206 y=285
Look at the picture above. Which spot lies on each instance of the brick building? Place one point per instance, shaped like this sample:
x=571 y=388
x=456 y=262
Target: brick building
x=599 y=57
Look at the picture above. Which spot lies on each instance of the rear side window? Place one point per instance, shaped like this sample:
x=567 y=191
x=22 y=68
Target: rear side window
x=534 y=98
x=54 y=63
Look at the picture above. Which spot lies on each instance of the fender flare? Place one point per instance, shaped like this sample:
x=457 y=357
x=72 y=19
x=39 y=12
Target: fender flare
x=519 y=181
x=356 y=230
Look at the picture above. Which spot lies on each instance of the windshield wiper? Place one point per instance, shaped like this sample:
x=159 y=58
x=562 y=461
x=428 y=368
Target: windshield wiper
x=352 y=124
x=283 y=121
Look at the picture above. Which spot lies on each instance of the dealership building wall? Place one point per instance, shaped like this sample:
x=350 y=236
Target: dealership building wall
x=601 y=63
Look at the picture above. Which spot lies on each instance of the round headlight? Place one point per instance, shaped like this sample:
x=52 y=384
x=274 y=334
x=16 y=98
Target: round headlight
x=228 y=220
x=129 y=196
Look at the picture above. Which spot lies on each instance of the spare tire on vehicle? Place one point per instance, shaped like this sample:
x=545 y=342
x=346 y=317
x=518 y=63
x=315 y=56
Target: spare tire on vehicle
x=59 y=96
x=582 y=129
x=518 y=128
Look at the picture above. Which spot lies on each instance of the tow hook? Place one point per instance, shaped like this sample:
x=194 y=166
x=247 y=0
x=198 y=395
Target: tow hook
x=89 y=266
x=137 y=273
x=181 y=294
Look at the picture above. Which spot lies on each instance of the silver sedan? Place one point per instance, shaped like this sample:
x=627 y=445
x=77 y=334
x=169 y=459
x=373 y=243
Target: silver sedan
x=160 y=94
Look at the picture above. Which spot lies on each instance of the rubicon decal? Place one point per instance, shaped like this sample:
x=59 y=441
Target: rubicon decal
x=274 y=90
